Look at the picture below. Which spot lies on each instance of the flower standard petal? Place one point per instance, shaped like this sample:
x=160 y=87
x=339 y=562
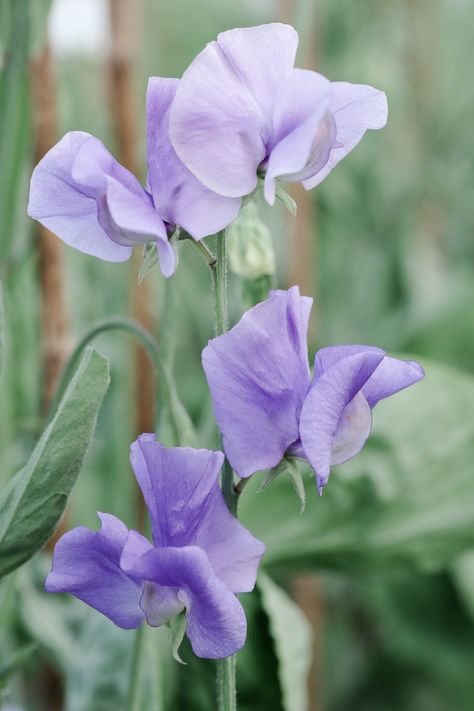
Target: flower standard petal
x=303 y=130
x=178 y=484
x=355 y=108
x=258 y=375
x=87 y=564
x=178 y=195
x=216 y=624
x=325 y=406
x=221 y=117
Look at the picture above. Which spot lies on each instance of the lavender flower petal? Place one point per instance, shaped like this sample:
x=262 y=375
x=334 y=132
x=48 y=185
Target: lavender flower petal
x=87 y=564
x=304 y=130
x=215 y=620
x=80 y=192
x=221 y=117
x=195 y=512
x=391 y=376
x=178 y=195
x=328 y=406
x=355 y=108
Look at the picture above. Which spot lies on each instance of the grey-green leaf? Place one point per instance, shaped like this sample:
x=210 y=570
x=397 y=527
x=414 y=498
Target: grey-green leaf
x=35 y=498
x=2 y=331
x=406 y=501
x=150 y=258
x=286 y=200
x=177 y=628
x=292 y=638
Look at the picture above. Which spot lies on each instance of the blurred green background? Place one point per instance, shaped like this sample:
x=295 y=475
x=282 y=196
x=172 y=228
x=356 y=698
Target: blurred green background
x=381 y=565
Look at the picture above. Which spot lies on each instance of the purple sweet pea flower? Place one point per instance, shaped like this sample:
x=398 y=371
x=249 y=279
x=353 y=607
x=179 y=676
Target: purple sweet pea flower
x=201 y=556
x=82 y=194
x=266 y=403
x=241 y=108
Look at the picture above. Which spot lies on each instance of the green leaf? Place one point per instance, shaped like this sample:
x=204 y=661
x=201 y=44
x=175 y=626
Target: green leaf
x=2 y=330
x=289 y=467
x=405 y=501
x=293 y=642
x=286 y=199
x=177 y=628
x=34 y=500
x=150 y=258
x=14 y=662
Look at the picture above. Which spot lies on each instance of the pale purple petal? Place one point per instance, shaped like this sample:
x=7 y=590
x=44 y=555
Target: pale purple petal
x=221 y=118
x=329 y=356
x=258 y=375
x=303 y=130
x=215 y=620
x=87 y=564
x=325 y=405
x=178 y=484
x=391 y=376
x=159 y=603
x=64 y=207
x=355 y=108
x=91 y=202
x=352 y=431
x=233 y=552
x=178 y=195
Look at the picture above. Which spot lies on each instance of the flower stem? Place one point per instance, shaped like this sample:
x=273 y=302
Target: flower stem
x=226 y=695
x=226 y=683
x=137 y=672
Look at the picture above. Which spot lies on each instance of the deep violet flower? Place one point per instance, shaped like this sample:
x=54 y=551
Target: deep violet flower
x=201 y=556
x=266 y=403
x=242 y=108
x=83 y=195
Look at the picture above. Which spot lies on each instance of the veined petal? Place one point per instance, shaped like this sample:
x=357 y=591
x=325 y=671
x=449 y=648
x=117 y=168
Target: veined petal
x=177 y=194
x=67 y=208
x=325 y=407
x=304 y=130
x=355 y=108
x=216 y=624
x=80 y=192
x=258 y=375
x=87 y=564
x=391 y=376
x=221 y=117
x=178 y=485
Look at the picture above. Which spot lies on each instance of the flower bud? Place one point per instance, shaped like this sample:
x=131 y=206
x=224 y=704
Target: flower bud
x=250 y=246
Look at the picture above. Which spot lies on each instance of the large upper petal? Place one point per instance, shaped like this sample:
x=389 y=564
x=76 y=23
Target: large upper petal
x=180 y=198
x=82 y=194
x=216 y=624
x=221 y=117
x=355 y=108
x=186 y=506
x=178 y=485
x=328 y=405
x=258 y=375
x=87 y=564
x=304 y=130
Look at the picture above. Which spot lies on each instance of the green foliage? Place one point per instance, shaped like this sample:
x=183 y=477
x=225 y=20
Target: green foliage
x=292 y=640
x=34 y=500
x=405 y=501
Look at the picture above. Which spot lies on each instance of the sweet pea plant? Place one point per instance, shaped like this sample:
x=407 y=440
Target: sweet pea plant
x=242 y=119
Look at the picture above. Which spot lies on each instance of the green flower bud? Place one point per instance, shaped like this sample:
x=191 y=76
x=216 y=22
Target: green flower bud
x=250 y=245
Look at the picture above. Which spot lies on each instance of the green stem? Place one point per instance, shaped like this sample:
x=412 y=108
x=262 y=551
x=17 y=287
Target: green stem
x=226 y=696
x=136 y=671
x=226 y=683
x=135 y=329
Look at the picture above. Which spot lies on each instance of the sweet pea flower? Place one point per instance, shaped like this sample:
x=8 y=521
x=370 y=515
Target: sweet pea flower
x=201 y=556
x=243 y=109
x=267 y=404
x=83 y=195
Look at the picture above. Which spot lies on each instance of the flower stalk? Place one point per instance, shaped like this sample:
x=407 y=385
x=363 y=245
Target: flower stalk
x=226 y=681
